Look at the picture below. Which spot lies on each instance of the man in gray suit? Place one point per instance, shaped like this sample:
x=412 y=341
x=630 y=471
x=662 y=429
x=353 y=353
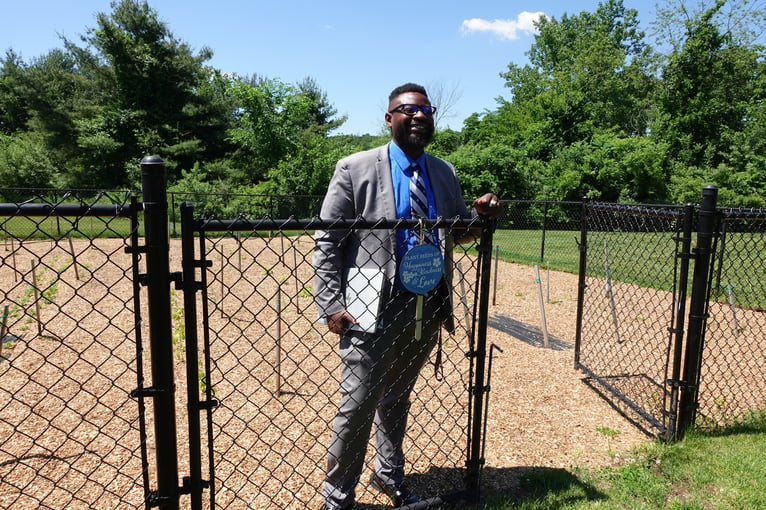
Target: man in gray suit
x=379 y=368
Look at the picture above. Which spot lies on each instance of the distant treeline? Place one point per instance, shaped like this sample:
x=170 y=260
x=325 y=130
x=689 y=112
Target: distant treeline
x=597 y=112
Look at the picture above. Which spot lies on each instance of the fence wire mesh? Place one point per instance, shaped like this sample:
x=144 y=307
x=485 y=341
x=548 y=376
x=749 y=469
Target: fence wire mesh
x=72 y=353
x=539 y=232
x=274 y=371
x=628 y=305
x=733 y=372
x=67 y=358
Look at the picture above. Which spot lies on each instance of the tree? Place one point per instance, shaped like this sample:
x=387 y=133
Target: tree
x=444 y=96
x=589 y=79
x=258 y=132
x=14 y=113
x=587 y=72
x=275 y=122
x=149 y=103
x=743 y=20
x=320 y=115
x=492 y=167
x=708 y=84
x=48 y=96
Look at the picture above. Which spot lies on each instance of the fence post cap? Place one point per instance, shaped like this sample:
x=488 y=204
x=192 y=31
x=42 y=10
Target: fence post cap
x=152 y=160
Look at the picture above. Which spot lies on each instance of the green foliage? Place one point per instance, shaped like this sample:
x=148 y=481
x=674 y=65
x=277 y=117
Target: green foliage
x=736 y=187
x=25 y=162
x=445 y=142
x=587 y=72
x=278 y=125
x=578 y=114
x=707 y=87
x=308 y=171
x=596 y=112
x=491 y=167
x=153 y=107
x=610 y=168
x=14 y=113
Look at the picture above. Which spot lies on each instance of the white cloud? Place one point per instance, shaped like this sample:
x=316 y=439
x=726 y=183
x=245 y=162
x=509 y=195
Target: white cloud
x=505 y=28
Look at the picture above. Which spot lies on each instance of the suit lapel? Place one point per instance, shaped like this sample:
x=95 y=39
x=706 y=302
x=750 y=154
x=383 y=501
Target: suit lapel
x=385 y=184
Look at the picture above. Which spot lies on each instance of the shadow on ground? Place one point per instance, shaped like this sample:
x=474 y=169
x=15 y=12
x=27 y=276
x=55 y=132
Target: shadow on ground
x=511 y=487
x=526 y=333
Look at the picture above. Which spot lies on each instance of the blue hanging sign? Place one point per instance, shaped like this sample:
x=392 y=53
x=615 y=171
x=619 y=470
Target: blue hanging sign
x=421 y=268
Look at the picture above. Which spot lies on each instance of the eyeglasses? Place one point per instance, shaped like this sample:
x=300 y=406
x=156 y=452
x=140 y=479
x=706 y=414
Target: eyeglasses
x=412 y=109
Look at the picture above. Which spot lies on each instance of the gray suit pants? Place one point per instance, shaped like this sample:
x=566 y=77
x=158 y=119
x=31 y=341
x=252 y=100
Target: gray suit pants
x=378 y=372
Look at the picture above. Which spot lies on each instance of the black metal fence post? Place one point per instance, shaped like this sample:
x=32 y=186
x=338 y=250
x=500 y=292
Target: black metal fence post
x=475 y=460
x=190 y=289
x=698 y=307
x=679 y=306
x=581 y=285
x=153 y=182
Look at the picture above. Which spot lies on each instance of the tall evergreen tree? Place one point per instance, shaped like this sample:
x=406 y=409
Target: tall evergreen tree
x=151 y=103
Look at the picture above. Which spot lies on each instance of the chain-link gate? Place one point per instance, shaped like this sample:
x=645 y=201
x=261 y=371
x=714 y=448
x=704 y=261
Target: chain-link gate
x=733 y=367
x=69 y=340
x=672 y=361
x=269 y=374
x=629 y=301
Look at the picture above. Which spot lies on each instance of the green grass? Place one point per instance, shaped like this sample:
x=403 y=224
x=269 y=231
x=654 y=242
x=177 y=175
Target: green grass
x=525 y=246
x=636 y=257
x=722 y=470
x=88 y=227
x=646 y=259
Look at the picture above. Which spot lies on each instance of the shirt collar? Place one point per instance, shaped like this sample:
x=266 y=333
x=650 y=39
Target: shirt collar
x=402 y=160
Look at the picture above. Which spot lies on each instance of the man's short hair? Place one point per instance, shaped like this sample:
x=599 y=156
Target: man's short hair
x=407 y=87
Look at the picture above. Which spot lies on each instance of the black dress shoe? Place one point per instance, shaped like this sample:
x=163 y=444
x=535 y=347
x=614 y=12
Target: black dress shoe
x=399 y=495
x=325 y=506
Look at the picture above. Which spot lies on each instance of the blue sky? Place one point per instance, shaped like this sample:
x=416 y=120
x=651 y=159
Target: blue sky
x=357 y=51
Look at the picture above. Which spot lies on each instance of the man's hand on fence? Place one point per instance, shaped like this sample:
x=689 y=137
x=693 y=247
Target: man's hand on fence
x=488 y=205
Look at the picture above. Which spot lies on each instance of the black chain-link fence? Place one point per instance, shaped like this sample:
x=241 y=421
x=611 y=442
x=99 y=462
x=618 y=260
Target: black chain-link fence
x=733 y=371
x=70 y=435
x=640 y=337
x=256 y=384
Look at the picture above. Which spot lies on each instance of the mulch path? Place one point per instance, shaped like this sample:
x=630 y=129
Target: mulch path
x=541 y=413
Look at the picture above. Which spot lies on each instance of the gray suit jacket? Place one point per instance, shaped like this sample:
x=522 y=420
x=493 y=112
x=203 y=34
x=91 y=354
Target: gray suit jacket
x=362 y=186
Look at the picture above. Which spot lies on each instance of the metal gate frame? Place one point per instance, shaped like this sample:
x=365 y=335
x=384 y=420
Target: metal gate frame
x=202 y=407
x=686 y=333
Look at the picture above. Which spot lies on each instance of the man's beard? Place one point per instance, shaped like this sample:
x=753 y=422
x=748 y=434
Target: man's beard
x=406 y=139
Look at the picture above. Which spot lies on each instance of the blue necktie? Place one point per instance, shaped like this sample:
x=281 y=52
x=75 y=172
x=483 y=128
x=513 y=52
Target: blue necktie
x=418 y=198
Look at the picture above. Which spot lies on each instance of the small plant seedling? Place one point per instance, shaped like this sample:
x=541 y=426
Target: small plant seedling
x=610 y=434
